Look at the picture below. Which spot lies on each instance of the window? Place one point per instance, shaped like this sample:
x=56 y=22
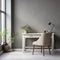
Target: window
x=2 y=18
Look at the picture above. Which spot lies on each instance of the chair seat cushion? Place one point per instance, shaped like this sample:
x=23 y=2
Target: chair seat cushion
x=37 y=43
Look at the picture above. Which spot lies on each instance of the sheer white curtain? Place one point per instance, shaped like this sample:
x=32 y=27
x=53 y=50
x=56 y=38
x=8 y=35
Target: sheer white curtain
x=8 y=21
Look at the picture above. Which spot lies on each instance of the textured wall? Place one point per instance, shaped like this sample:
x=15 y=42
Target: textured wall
x=36 y=13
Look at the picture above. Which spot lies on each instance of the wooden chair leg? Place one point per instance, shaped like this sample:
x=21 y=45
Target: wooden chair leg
x=33 y=49
x=43 y=50
x=49 y=50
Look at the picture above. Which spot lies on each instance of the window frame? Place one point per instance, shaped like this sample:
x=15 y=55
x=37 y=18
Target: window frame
x=3 y=19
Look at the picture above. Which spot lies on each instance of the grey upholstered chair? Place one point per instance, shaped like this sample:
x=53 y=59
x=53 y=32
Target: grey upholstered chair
x=43 y=41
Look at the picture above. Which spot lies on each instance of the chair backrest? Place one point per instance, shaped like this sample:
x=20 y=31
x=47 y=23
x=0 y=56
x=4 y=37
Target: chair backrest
x=47 y=39
x=44 y=39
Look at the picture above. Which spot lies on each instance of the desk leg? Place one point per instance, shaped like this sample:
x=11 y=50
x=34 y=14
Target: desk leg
x=52 y=43
x=23 y=44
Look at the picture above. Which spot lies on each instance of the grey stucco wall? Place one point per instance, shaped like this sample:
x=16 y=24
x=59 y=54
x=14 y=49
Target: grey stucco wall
x=36 y=13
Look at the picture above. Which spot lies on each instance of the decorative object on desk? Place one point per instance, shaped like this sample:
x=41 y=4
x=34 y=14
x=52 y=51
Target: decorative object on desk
x=52 y=26
x=26 y=28
x=45 y=31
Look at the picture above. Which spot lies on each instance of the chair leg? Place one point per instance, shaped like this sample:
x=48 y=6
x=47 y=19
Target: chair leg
x=43 y=50
x=49 y=50
x=33 y=49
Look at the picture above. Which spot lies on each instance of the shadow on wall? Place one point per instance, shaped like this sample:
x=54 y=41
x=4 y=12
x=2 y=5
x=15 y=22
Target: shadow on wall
x=57 y=42
x=34 y=31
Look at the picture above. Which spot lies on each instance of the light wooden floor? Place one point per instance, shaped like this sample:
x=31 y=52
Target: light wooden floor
x=18 y=55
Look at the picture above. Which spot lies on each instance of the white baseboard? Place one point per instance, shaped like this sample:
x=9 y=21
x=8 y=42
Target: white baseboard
x=1 y=52
x=16 y=49
x=56 y=49
x=27 y=50
x=31 y=49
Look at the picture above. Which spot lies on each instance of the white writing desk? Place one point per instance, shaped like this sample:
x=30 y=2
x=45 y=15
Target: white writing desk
x=34 y=35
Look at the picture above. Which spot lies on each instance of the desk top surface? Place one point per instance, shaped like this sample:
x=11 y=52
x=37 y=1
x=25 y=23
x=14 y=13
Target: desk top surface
x=34 y=33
